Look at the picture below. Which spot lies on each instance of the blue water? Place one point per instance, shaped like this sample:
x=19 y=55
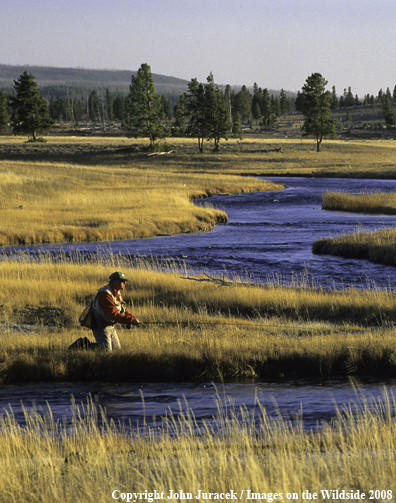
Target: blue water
x=269 y=236
x=137 y=406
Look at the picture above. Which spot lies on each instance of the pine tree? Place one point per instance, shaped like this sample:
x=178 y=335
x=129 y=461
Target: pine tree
x=30 y=110
x=4 y=116
x=109 y=106
x=216 y=113
x=334 y=100
x=299 y=102
x=284 y=103
x=256 y=101
x=348 y=98
x=94 y=107
x=242 y=103
x=181 y=115
x=196 y=112
x=267 y=111
x=119 y=107
x=387 y=108
x=317 y=102
x=166 y=107
x=236 y=126
x=145 y=116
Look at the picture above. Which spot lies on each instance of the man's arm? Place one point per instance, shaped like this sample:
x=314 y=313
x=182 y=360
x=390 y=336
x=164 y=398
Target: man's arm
x=108 y=306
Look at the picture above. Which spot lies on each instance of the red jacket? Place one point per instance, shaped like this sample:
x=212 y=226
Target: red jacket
x=108 y=305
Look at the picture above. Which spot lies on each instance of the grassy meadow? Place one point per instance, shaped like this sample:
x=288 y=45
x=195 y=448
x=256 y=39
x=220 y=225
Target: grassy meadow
x=377 y=246
x=193 y=328
x=57 y=202
x=382 y=203
x=92 y=189
x=96 y=460
x=97 y=189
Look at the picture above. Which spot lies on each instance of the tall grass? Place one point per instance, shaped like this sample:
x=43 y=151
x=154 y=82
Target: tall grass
x=190 y=329
x=238 y=451
x=60 y=202
x=366 y=202
x=377 y=246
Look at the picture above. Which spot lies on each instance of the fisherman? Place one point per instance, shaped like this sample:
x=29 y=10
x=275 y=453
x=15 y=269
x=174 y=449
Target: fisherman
x=109 y=309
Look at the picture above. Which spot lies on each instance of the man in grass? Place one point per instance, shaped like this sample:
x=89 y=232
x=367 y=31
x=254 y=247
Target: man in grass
x=109 y=309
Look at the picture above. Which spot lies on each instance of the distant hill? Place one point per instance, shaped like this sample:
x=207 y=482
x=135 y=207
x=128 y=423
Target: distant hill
x=54 y=81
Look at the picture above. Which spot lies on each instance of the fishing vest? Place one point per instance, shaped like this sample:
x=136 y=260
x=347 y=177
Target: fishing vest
x=99 y=310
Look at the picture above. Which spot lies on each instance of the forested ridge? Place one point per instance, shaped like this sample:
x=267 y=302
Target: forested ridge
x=52 y=81
x=103 y=99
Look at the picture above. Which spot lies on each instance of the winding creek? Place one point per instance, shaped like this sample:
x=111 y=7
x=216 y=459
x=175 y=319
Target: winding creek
x=268 y=237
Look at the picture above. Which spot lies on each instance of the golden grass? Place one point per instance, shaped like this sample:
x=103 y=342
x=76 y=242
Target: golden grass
x=52 y=202
x=193 y=328
x=97 y=461
x=367 y=202
x=96 y=189
x=190 y=329
x=377 y=246
x=339 y=158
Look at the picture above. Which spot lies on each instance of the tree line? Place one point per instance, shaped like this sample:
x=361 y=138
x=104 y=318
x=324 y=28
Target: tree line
x=204 y=111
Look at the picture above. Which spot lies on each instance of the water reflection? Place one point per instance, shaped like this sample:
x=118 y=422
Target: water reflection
x=146 y=404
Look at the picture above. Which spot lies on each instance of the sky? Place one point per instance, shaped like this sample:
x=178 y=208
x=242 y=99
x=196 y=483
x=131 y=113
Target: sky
x=274 y=43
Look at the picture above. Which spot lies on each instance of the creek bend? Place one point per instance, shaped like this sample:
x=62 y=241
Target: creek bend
x=269 y=236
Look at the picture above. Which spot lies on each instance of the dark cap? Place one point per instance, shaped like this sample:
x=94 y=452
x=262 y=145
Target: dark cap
x=118 y=276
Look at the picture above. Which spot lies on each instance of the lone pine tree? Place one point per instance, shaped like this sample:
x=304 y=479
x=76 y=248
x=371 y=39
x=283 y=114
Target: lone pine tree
x=31 y=115
x=317 y=109
x=145 y=115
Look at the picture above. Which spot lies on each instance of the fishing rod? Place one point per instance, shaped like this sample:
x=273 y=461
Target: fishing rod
x=245 y=325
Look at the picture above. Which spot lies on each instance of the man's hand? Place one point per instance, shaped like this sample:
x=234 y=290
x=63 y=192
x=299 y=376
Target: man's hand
x=135 y=322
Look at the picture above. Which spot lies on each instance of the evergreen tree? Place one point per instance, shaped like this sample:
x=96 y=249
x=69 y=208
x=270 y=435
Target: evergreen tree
x=77 y=110
x=206 y=110
x=334 y=100
x=349 y=99
x=217 y=123
x=242 y=103
x=166 y=107
x=275 y=106
x=94 y=107
x=267 y=110
x=30 y=110
x=146 y=118
x=299 y=103
x=256 y=101
x=236 y=126
x=180 y=113
x=57 y=108
x=109 y=106
x=317 y=103
x=387 y=108
x=4 y=116
x=284 y=103
x=228 y=94
x=119 y=107
x=196 y=112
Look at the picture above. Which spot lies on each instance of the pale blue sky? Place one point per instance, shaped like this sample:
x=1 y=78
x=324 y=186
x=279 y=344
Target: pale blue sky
x=276 y=43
